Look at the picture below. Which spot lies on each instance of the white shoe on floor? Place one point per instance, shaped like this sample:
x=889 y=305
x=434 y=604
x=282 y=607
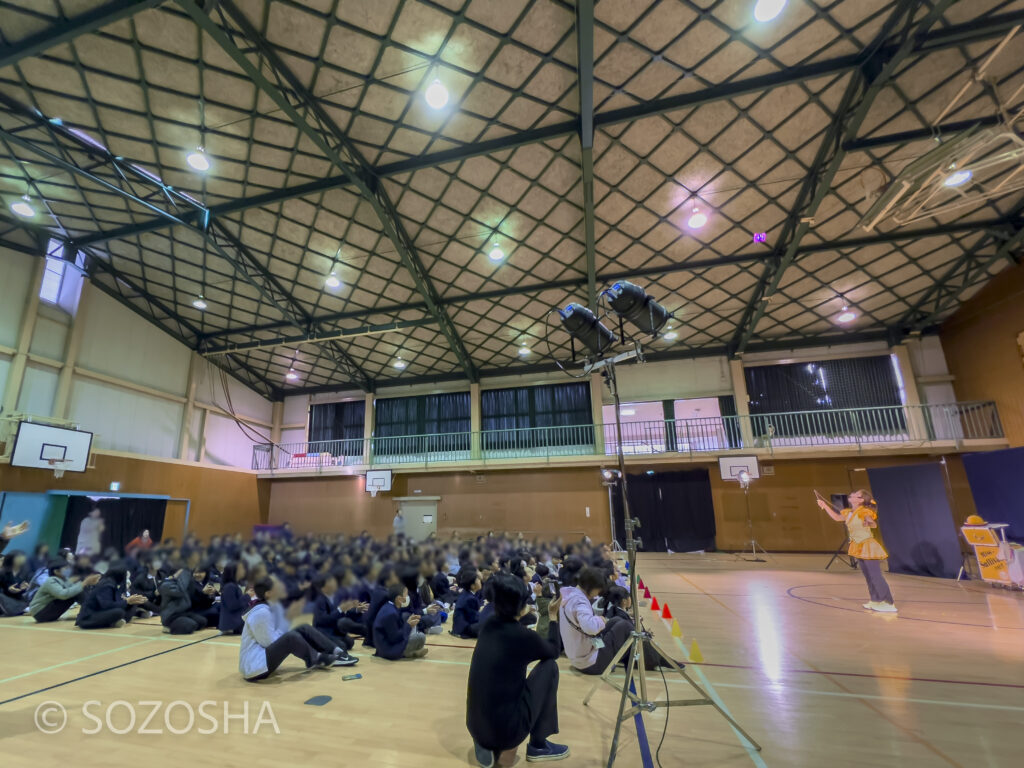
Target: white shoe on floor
x=884 y=608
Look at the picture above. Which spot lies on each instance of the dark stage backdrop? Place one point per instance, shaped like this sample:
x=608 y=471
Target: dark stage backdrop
x=995 y=479
x=916 y=521
x=675 y=509
x=123 y=520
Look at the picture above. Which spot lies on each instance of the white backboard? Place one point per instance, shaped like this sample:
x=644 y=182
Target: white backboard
x=379 y=479
x=731 y=466
x=35 y=444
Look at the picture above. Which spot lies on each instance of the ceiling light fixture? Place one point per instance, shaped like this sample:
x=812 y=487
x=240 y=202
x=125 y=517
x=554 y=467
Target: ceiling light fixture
x=332 y=281
x=847 y=315
x=198 y=160
x=697 y=219
x=199 y=302
x=496 y=253
x=766 y=10
x=956 y=178
x=23 y=207
x=524 y=351
x=400 y=364
x=436 y=95
x=670 y=336
x=291 y=375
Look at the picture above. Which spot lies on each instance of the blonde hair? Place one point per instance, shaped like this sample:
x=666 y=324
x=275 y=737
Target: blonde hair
x=869 y=502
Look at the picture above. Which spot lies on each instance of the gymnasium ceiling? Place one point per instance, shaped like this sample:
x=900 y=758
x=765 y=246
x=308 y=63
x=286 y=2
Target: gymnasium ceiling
x=578 y=137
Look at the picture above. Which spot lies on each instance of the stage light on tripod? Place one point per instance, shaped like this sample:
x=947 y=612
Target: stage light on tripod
x=744 y=479
x=580 y=323
x=634 y=304
x=610 y=475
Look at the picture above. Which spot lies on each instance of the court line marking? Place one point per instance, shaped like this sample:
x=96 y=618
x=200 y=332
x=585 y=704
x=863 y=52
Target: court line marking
x=76 y=661
x=908 y=731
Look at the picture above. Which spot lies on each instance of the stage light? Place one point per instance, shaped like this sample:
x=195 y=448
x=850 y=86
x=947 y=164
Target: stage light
x=198 y=160
x=610 y=475
x=697 y=219
x=436 y=95
x=199 y=302
x=580 y=323
x=744 y=479
x=496 y=253
x=957 y=178
x=766 y=10
x=291 y=375
x=634 y=304
x=23 y=208
x=400 y=364
x=847 y=315
x=524 y=351
x=332 y=281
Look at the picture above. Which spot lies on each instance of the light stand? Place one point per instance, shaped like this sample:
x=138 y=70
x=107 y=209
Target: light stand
x=634 y=686
x=744 y=479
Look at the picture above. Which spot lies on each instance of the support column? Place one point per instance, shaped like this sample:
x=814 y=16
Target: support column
x=475 y=420
x=916 y=423
x=189 y=411
x=368 y=424
x=66 y=376
x=739 y=393
x=597 y=411
x=16 y=373
x=276 y=421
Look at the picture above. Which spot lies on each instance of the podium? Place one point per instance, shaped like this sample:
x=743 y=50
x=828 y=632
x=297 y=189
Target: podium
x=999 y=561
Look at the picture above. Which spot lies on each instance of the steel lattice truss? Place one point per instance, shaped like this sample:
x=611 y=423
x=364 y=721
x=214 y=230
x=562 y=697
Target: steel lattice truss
x=578 y=139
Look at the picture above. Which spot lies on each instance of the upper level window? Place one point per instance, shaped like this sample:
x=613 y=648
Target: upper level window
x=53 y=277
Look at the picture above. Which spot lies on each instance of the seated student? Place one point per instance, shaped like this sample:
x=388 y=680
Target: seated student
x=466 y=621
x=504 y=705
x=105 y=605
x=350 y=602
x=59 y=592
x=176 y=612
x=581 y=627
x=327 y=618
x=421 y=601
x=41 y=558
x=439 y=584
x=267 y=641
x=202 y=592
x=386 y=578
x=233 y=600
x=14 y=584
x=393 y=637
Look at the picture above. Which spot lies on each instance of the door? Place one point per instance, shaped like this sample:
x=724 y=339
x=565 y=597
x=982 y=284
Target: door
x=420 y=516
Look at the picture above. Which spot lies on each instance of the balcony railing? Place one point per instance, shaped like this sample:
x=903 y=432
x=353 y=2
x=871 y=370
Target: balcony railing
x=853 y=427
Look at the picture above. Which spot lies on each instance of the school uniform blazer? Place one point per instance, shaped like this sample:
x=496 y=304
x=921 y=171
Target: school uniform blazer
x=102 y=597
x=325 y=615
x=467 y=613
x=378 y=598
x=390 y=633
x=233 y=604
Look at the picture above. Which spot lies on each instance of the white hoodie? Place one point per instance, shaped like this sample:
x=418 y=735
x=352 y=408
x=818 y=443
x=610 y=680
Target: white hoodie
x=263 y=625
x=577 y=624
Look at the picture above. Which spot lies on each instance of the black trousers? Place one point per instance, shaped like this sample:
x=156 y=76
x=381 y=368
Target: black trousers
x=539 y=712
x=305 y=642
x=187 y=623
x=54 y=610
x=878 y=587
x=473 y=630
x=349 y=626
x=616 y=633
x=102 y=619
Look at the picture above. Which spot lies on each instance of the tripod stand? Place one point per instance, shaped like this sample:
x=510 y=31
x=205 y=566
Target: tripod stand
x=841 y=556
x=754 y=546
x=637 y=695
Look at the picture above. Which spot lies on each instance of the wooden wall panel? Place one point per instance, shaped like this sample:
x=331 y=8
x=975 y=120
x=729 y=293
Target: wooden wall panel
x=982 y=350
x=223 y=500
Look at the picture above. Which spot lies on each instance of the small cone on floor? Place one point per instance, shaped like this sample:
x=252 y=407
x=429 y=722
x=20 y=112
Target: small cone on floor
x=665 y=612
x=640 y=584
x=676 y=629
x=647 y=594
x=654 y=605
x=695 y=654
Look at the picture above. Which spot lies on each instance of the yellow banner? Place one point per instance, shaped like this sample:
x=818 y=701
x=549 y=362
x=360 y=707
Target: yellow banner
x=993 y=567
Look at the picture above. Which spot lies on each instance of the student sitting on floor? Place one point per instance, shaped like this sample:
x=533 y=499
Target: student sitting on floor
x=176 y=612
x=59 y=592
x=327 y=618
x=466 y=621
x=504 y=705
x=267 y=641
x=590 y=641
x=233 y=600
x=14 y=584
x=387 y=577
x=202 y=592
x=393 y=637
x=105 y=605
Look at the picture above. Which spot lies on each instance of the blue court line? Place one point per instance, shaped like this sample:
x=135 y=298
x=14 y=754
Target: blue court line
x=641 y=734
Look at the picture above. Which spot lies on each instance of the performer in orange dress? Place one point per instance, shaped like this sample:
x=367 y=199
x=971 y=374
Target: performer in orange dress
x=860 y=518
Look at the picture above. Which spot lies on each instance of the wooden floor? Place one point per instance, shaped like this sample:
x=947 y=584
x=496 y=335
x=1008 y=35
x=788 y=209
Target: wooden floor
x=787 y=649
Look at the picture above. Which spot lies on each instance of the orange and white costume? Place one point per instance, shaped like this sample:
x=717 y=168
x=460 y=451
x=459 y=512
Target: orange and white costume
x=863 y=544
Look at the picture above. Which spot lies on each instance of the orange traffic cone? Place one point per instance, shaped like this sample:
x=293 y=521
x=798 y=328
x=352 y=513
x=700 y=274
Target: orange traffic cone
x=647 y=594
x=666 y=613
x=676 y=629
x=654 y=605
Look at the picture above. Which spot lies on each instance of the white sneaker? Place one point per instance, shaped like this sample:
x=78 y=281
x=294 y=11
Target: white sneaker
x=869 y=606
x=884 y=608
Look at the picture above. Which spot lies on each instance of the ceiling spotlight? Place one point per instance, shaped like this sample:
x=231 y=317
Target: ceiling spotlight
x=198 y=160
x=332 y=281
x=697 y=219
x=956 y=178
x=496 y=253
x=291 y=375
x=400 y=364
x=436 y=95
x=766 y=10
x=670 y=336
x=847 y=315
x=524 y=351
x=23 y=208
x=634 y=304
x=199 y=302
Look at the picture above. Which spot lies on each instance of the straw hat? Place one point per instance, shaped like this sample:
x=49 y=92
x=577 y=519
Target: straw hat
x=975 y=520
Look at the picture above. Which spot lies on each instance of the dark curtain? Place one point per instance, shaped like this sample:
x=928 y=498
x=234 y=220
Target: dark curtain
x=730 y=424
x=566 y=406
x=426 y=423
x=915 y=520
x=447 y=421
x=337 y=428
x=860 y=382
x=995 y=484
x=675 y=509
x=123 y=520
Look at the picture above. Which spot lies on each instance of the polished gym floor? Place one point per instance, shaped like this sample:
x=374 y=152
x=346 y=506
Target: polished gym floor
x=785 y=646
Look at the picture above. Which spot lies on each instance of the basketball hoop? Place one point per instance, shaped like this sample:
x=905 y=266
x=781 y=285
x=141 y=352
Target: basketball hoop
x=57 y=465
x=373 y=493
